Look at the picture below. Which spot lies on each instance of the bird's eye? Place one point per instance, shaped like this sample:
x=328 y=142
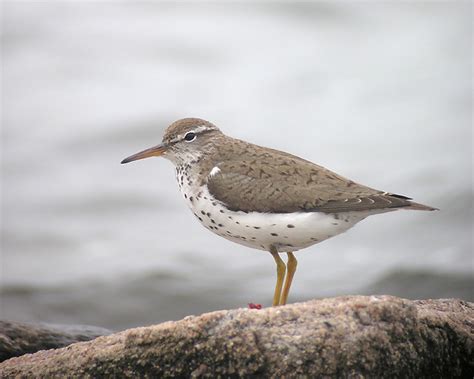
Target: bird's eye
x=191 y=136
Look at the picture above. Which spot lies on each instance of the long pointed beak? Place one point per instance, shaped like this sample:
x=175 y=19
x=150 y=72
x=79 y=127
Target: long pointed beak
x=154 y=151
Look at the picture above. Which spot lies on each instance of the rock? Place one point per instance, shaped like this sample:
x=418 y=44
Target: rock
x=18 y=338
x=356 y=336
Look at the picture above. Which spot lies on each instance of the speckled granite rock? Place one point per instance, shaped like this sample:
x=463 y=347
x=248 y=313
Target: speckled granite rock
x=18 y=338
x=357 y=336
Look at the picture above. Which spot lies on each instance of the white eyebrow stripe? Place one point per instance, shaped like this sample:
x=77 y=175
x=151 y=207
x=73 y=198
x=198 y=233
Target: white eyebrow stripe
x=202 y=128
x=198 y=129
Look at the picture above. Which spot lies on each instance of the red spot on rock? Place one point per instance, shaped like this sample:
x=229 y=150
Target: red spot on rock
x=255 y=306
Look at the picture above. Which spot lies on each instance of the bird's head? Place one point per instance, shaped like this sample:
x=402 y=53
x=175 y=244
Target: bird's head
x=184 y=140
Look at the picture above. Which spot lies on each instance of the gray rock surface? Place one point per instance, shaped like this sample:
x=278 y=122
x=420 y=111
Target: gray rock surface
x=17 y=338
x=355 y=336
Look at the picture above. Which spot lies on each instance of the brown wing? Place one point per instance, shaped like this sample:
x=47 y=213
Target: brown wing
x=282 y=183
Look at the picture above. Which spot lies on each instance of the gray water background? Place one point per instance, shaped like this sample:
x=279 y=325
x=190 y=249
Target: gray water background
x=378 y=92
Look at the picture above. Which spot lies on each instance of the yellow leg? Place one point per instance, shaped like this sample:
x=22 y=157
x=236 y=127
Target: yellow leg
x=290 y=272
x=280 y=275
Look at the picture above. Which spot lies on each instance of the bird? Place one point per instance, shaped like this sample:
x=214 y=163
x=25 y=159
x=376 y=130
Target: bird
x=264 y=198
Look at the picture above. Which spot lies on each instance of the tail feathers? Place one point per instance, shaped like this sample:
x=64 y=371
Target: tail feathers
x=420 y=207
x=411 y=204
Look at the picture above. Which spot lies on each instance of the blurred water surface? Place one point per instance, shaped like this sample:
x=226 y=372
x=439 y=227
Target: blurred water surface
x=380 y=93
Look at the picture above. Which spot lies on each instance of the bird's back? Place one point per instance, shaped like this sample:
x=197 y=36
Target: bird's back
x=249 y=177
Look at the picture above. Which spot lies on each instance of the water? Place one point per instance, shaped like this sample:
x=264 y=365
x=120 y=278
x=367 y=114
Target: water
x=378 y=93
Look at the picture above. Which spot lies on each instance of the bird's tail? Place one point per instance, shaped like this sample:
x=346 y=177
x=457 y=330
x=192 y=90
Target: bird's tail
x=411 y=205
x=420 y=207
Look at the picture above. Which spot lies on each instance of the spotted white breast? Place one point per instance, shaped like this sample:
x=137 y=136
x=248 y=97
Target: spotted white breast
x=285 y=231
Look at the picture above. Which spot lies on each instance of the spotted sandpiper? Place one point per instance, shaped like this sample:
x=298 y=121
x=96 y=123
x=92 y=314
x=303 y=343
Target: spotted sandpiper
x=264 y=198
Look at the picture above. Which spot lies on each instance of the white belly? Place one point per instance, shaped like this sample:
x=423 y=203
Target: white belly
x=285 y=231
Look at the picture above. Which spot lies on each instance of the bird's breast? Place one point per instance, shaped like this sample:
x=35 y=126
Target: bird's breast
x=285 y=231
